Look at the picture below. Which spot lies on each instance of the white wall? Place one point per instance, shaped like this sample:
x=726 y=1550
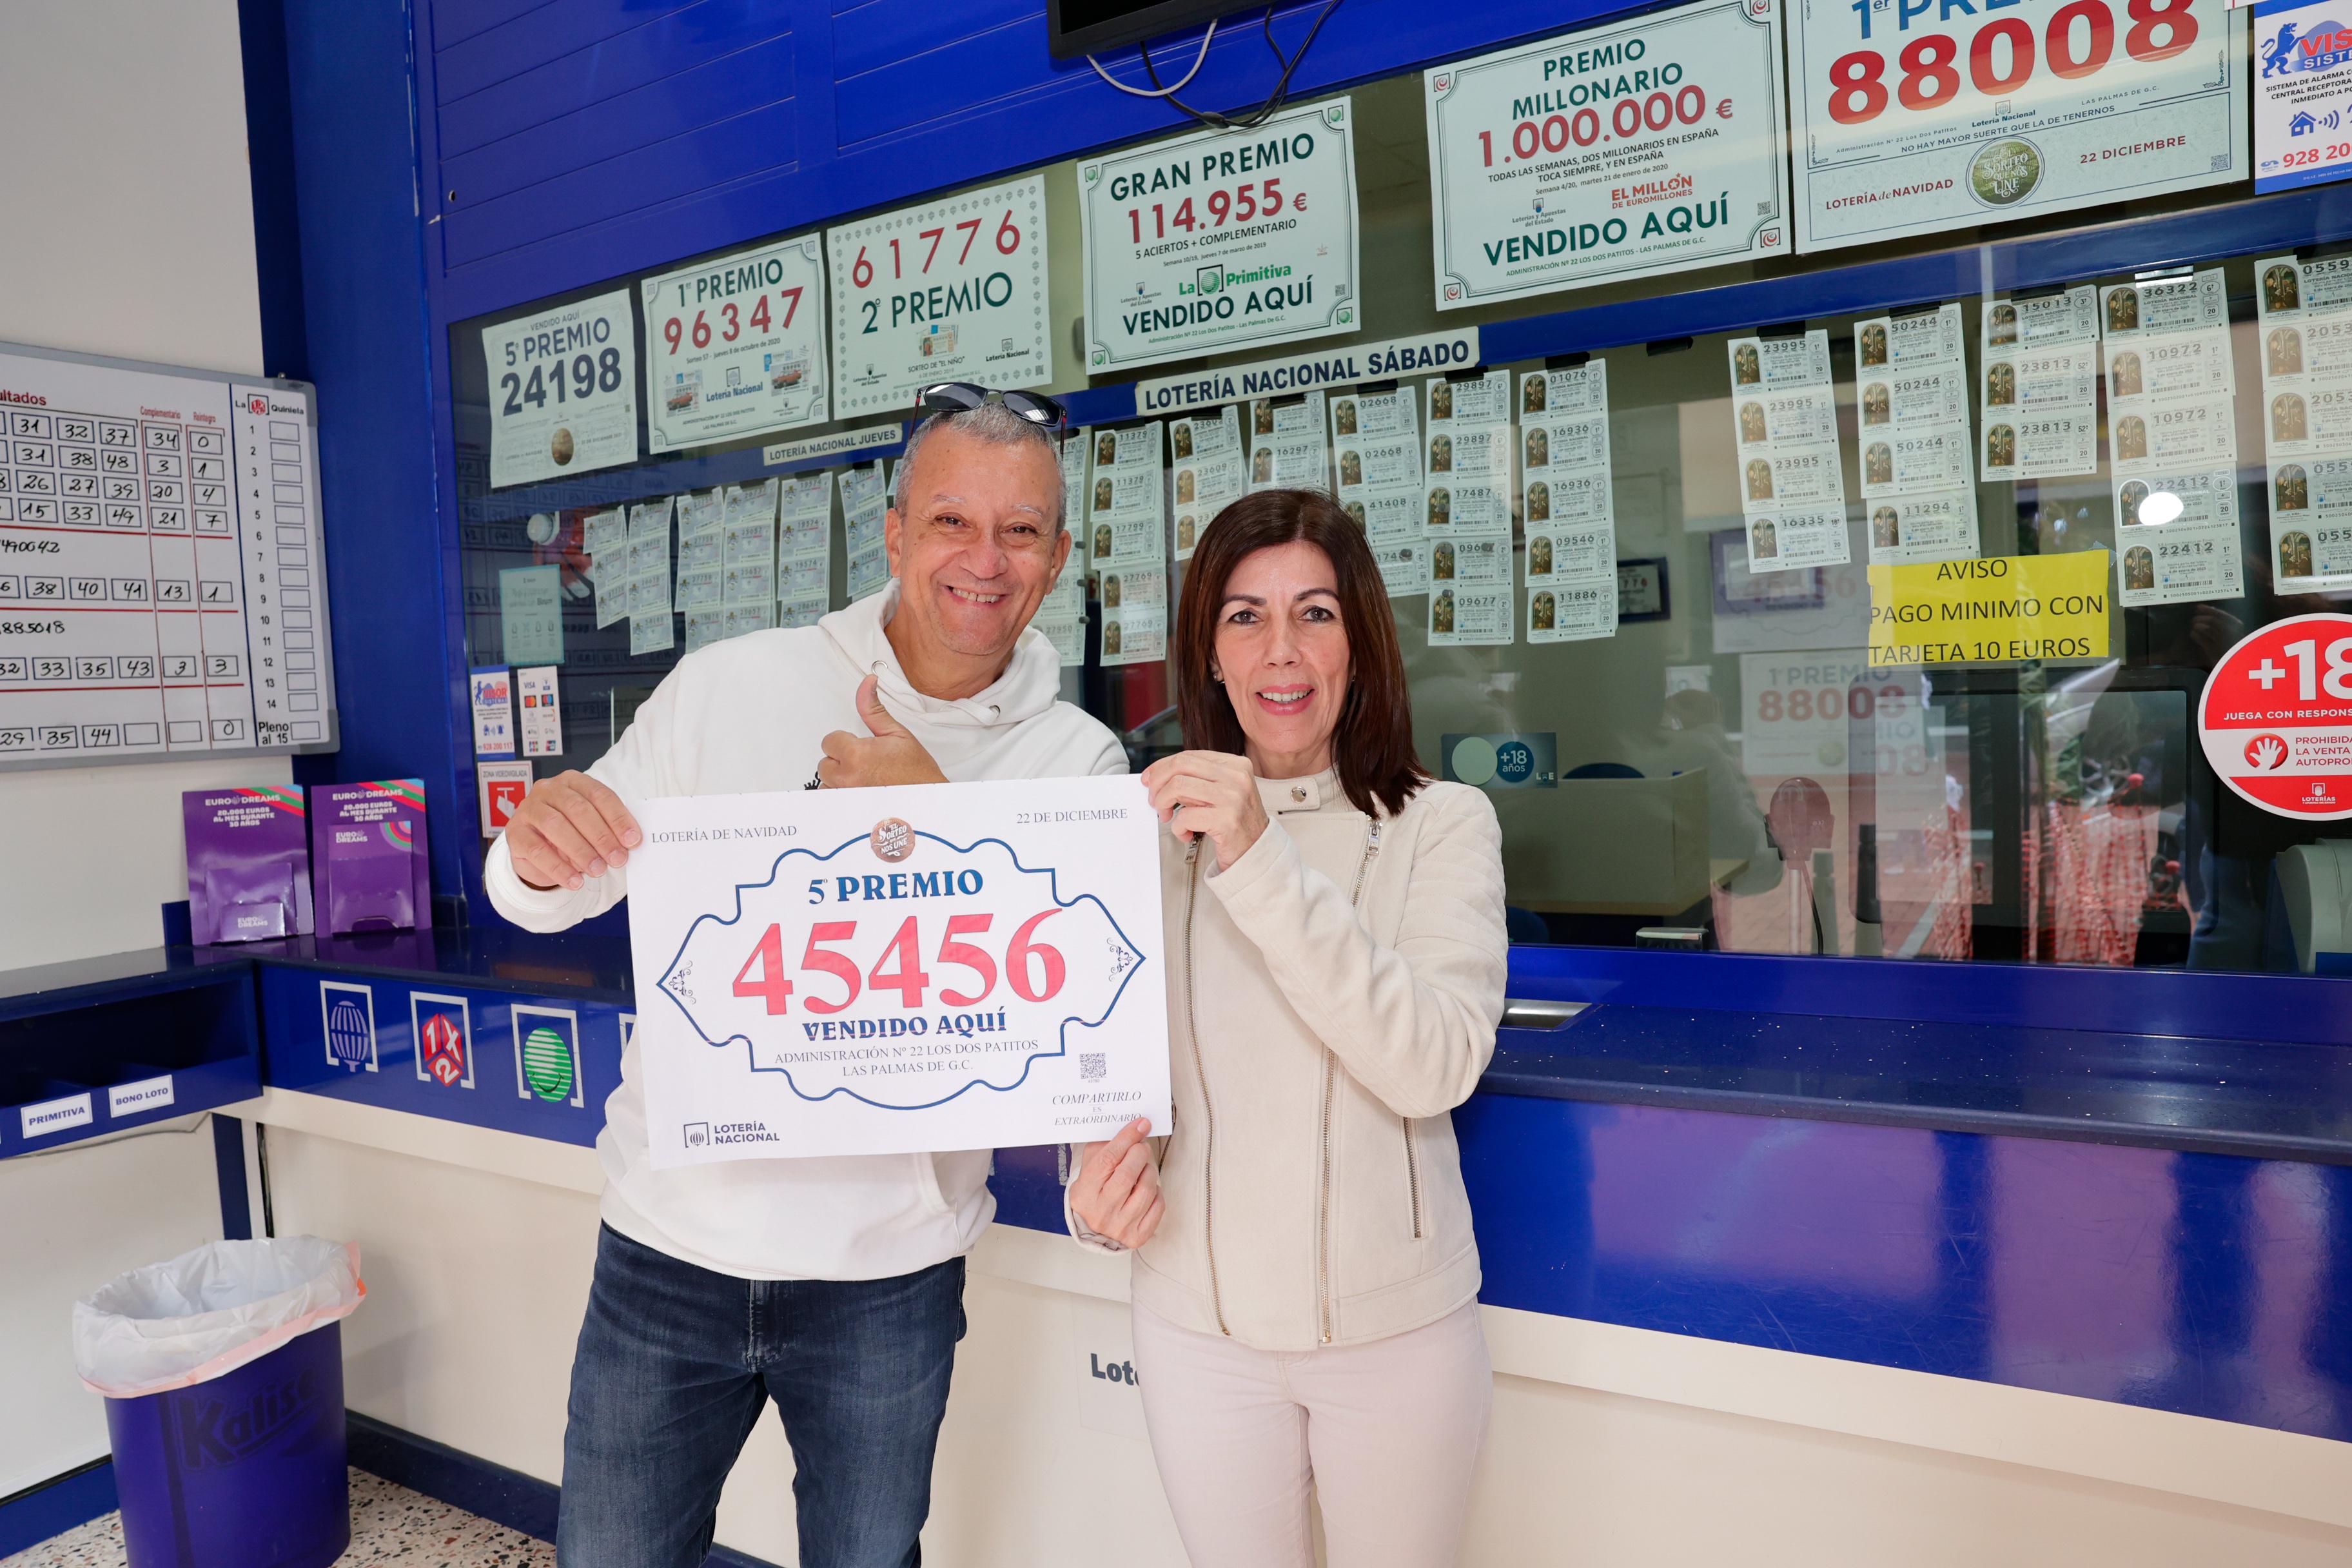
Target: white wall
x=1611 y=1448
x=74 y=1220
x=129 y=232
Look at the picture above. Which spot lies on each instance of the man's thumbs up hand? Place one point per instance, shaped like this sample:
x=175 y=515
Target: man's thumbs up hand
x=889 y=755
x=877 y=718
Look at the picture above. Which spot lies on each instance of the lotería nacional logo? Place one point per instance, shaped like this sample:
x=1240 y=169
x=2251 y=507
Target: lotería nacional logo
x=444 y=1039
x=547 y=1056
x=347 y=1013
x=893 y=840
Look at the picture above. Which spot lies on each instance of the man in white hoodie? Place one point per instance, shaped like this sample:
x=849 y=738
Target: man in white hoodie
x=833 y=1286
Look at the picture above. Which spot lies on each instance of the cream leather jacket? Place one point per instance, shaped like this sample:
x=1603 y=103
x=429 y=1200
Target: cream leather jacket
x=1331 y=997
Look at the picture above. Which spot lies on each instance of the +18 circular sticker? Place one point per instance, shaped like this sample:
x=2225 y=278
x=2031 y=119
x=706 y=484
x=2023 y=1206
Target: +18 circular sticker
x=2276 y=718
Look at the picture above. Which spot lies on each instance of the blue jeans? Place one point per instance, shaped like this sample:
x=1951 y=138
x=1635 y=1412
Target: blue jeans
x=676 y=1362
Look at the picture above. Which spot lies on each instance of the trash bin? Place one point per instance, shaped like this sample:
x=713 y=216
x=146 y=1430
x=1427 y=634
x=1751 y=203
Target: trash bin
x=222 y=1375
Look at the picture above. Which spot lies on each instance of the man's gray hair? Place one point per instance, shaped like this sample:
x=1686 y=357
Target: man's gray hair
x=991 y=422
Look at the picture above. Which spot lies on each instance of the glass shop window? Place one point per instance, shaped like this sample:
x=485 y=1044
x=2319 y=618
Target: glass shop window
x=1636 y=583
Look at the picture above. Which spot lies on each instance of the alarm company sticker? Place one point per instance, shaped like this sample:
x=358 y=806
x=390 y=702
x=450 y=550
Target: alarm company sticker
x=347 y=1012
x=2302 y=97
x=547 y=1056
x=900 y=969
x=444 y=1028
x=2276 y=718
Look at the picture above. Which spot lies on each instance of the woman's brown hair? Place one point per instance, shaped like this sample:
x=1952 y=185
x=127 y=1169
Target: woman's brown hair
x=1372 y=745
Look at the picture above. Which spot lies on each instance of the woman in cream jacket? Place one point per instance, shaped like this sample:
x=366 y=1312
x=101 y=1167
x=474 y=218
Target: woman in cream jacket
x=1305 y=1275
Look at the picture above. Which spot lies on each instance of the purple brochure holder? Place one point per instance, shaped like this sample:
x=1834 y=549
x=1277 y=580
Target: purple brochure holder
x=368 y=857
x=249 y=863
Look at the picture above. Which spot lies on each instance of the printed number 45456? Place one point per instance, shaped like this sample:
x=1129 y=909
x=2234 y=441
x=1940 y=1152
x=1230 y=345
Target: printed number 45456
x=1033 y=970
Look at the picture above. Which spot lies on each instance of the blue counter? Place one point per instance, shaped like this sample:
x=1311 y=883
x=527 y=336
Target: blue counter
x=1744 y=1149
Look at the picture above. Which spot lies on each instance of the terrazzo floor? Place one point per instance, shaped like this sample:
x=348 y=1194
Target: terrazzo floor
x=389 y=1524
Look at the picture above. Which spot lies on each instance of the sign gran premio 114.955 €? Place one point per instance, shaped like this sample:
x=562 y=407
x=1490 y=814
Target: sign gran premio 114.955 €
x=1222 y=240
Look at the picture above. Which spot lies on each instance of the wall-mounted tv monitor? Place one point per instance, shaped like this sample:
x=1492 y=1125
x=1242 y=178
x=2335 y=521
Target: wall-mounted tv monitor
x=1079 y=27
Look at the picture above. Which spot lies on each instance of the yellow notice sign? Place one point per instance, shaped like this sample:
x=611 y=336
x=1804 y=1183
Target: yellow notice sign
x=2004 y=608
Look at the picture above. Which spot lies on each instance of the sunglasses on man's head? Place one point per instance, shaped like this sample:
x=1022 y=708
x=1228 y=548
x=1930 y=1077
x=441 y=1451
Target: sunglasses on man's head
x=963 y=397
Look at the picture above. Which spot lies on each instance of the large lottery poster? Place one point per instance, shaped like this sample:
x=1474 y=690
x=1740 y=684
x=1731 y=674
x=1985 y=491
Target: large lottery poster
x=563 y=390
x=1647 y=146
x=735 y=346
x=949 y=290
x=1912 y=118
x=898 y=970
x=1223 y=240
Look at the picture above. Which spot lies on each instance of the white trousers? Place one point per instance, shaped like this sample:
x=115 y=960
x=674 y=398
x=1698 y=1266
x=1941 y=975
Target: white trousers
x=1386 y=1433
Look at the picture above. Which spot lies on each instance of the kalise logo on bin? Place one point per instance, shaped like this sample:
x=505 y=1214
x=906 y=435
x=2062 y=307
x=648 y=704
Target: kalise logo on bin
x=214 y=1432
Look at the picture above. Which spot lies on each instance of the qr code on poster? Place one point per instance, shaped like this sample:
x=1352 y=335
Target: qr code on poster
x=1092 y=1066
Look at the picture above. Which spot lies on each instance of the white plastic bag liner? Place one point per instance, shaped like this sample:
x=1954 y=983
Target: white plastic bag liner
x=210 y=1312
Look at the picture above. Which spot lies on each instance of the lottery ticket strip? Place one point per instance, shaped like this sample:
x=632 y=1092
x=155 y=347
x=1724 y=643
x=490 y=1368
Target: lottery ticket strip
x=160 y=589
x=1434 y=486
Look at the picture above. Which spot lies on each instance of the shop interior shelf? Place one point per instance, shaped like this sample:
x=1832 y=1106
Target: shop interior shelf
x=92 y=1049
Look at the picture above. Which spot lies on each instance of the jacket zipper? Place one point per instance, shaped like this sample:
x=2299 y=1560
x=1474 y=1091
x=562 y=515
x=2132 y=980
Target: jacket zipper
x=1201 y=1072
x=1330 y=1084
x=1412 y=1174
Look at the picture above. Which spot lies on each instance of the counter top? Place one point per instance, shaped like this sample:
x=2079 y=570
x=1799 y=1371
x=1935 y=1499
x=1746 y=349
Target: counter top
x=47 y=988
x=2214 y=1096
x=590 y=963
x=1808 y=1038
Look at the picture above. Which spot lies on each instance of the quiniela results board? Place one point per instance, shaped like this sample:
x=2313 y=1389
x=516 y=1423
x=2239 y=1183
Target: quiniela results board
x=1915 y=116
x=162 y=590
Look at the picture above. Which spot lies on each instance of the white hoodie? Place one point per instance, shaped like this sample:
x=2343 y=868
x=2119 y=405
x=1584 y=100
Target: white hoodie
x=751 y=714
